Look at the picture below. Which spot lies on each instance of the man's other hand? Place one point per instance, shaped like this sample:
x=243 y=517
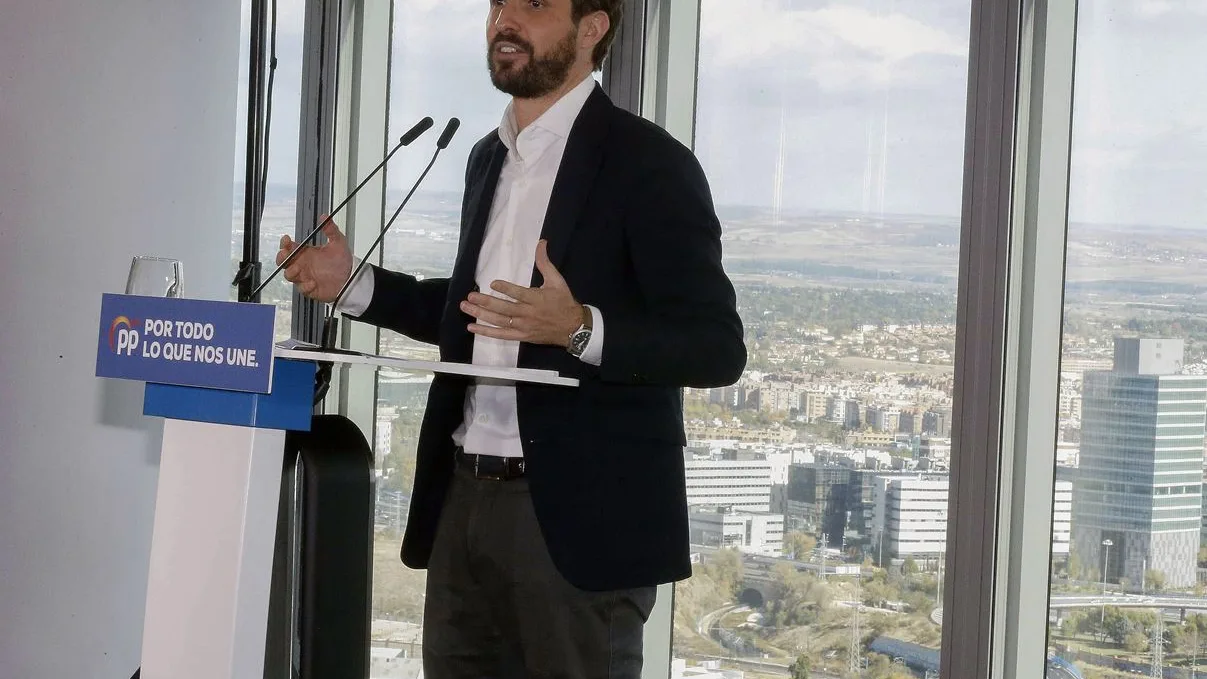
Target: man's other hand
x=545 y=315
x=319 y=271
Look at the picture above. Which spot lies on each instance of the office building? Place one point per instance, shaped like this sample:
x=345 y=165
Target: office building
x=1137 y=500
x=742 y=485
x=751 y=532
x=910 y=518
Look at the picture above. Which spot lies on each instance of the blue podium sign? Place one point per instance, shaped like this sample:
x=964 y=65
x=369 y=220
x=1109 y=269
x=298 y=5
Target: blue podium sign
x=189 y=342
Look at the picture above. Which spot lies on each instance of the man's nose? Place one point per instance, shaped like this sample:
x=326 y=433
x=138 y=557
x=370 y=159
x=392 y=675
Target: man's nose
x=504 y=17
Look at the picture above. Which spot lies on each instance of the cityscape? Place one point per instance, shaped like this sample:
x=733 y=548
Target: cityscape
x=818 y=484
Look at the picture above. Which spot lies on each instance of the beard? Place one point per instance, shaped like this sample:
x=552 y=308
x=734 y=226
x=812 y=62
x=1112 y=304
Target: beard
x=539 y=76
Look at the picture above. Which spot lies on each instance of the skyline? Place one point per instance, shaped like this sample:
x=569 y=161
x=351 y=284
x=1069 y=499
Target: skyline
x=856 y=105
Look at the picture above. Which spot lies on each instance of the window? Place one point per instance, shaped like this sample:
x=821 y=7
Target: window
x=438 y=69
x=832 y=135
x=1135 y=343
x=280 y=196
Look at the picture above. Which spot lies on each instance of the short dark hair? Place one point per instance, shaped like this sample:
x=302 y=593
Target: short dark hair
x=615 y=11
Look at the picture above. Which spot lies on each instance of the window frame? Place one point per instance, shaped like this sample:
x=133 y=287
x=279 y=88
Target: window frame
x=1008 y=324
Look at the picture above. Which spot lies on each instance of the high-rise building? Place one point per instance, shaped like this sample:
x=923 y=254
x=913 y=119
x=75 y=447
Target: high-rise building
x=743 y=485
x=910 y=518
x=1062 y=518
x=1137 y=497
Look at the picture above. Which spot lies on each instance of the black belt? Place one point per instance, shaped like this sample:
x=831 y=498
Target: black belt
x=491 y=467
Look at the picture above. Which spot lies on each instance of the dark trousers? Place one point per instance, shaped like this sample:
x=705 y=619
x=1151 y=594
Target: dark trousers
x=497 y=607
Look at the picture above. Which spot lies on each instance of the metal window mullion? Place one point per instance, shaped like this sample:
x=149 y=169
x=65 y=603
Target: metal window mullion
x=1034 y=332
x=670 y=67
x=320 y=57
x=622 y=71
x=362 y=126
x=979 y=377
x=660 y=64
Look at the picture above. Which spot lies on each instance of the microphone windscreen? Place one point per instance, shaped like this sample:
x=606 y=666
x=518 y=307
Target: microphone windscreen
x=449 y=131
x=413 y=133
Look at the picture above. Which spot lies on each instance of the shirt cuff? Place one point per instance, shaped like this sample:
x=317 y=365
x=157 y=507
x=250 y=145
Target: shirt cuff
x=593 y=354
x=358 y=296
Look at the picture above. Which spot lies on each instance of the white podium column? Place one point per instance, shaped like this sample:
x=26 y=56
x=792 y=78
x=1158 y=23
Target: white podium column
x=212 y=551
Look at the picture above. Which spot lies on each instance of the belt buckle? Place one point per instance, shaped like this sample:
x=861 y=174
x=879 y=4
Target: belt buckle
x=488 y=477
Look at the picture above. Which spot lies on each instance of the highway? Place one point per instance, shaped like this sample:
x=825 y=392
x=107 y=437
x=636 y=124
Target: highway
x=1188 y=602
x=1067 y=601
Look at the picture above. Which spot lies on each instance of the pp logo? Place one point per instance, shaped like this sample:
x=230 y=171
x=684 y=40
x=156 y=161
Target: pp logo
x=123 y=338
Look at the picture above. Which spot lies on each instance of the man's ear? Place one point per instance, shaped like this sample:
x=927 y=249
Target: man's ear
x=593 y=29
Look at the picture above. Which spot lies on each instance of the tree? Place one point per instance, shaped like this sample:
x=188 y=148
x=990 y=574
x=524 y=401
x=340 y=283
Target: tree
x=1074 y=566
x=1135 y=642
x=799 y=669
x=799 y=545
x=725 y=568
x=1072 y=623
x=1117 y=625
x=1154 y=580
x=909 y=566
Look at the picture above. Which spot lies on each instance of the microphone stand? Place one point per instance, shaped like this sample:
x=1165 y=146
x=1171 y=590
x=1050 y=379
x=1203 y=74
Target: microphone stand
x=410 y=136
x=331 y=323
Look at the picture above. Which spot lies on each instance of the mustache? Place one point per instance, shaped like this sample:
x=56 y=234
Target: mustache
x=516 y=40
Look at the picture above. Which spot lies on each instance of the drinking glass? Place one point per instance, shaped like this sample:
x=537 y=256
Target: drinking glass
x=154 y=277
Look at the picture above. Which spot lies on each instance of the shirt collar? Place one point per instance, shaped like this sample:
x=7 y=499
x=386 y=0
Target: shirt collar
x=557 y=121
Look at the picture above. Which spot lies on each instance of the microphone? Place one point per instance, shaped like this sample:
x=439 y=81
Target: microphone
x=330 y=326
x=447 y=135
x=406 y=139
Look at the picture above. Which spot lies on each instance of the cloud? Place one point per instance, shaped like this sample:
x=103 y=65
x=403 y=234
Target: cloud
x=842 y=46
x=1157 y=8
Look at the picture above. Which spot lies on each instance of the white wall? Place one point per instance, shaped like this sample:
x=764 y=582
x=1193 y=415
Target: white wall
x=117 y=137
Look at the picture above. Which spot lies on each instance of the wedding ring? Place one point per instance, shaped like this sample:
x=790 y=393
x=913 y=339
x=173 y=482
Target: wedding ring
x=511 y=321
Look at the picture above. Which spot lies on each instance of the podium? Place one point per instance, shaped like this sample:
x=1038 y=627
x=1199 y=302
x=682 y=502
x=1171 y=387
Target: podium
x=215 y=530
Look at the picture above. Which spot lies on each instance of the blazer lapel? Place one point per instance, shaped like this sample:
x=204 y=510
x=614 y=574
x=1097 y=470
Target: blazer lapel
x=475 y=215
x=575 y=177
x=477 y=212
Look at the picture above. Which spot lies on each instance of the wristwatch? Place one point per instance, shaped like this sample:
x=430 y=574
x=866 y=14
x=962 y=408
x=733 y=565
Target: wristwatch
x=579 y=338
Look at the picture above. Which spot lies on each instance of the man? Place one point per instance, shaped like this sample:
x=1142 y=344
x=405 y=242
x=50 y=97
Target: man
x=546 y=516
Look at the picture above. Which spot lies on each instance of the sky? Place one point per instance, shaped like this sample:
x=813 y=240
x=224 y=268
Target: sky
x=851 y=105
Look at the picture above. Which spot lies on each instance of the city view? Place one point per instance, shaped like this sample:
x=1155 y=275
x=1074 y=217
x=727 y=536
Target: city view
x=818 y=483
x=820 y=479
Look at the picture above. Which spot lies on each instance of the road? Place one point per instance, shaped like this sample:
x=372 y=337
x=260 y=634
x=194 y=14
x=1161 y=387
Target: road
x=1066 y=601
x=709 y=618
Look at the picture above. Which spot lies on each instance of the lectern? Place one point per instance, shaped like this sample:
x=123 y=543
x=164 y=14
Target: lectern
x=230 y=399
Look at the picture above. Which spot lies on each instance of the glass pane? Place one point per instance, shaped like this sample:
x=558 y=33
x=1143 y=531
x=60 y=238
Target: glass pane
x=281 y=191
x=1128 y=500
x=438 y=69
x=832 y=135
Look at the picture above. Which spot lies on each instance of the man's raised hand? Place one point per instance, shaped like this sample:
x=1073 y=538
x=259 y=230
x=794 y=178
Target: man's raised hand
x=318 y=271
x=545 y=315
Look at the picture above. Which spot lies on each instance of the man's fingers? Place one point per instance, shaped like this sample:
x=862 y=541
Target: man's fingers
x=332 y=232
x=292 y=272
x=307 y=287
x=286 y=248
x=495 y=304
x=498 y=333
x=512 y=290
x=491 y=317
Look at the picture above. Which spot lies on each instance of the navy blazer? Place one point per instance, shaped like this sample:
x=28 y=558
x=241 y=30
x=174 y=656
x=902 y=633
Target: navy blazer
x=632 y=228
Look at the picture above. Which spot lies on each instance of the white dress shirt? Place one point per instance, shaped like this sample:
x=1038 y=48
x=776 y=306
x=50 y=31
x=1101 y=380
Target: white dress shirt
x=490 y=425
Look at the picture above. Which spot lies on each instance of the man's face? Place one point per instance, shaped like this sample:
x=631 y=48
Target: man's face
x=532 y=45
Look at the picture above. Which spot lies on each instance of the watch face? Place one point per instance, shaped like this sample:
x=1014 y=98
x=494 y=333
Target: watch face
x=578 y=343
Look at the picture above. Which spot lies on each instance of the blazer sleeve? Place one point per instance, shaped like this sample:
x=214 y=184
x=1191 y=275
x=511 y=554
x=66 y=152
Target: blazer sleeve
x=405 y=304
x=686 y=332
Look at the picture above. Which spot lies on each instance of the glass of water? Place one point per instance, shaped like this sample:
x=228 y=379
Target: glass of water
x=154 y=277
